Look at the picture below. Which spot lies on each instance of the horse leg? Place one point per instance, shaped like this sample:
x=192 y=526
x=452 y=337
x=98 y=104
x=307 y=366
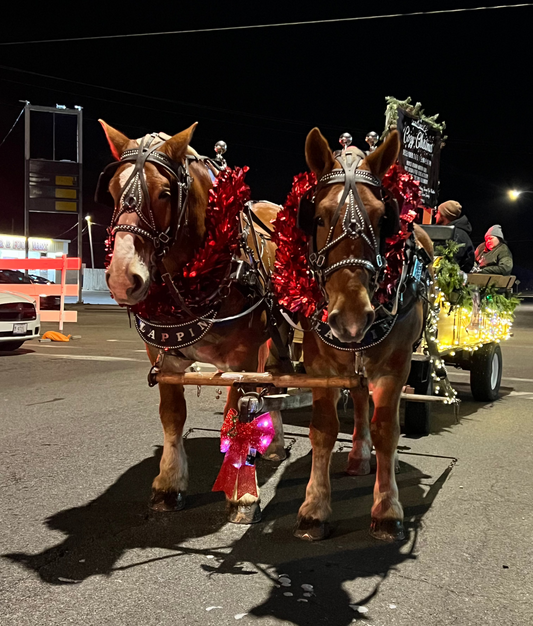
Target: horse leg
x=387 y=512
x=268 y=362
x=168 y=488
x=323 y=432
x=359 y=457
x=245 y=510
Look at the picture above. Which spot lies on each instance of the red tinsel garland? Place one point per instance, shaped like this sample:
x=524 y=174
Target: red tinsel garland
x=294 y=285
x=205 y=272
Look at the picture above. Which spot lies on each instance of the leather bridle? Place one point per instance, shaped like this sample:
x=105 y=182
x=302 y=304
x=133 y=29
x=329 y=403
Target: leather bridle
x=355 y=222
x=134 y=193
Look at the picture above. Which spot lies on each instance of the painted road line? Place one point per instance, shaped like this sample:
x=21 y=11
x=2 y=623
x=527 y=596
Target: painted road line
x=87 y=357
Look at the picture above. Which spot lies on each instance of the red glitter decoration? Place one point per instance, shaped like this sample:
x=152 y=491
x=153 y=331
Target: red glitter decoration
x=406 y=190
x=293 y=283
x=207 y=271
x=236 y=440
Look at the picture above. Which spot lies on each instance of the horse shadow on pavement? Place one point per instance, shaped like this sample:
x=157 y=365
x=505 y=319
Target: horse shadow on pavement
x=347 y=555
x=100 y=532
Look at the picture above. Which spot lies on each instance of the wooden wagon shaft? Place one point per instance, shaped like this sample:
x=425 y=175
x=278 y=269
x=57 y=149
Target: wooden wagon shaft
x=301 y=381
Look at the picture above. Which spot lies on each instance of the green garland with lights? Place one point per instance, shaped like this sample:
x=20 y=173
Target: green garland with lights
x=450 y=279
x=492 y=299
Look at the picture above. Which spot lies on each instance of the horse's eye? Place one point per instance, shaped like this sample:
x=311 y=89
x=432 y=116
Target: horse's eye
x=319 y=221
x=164 y=195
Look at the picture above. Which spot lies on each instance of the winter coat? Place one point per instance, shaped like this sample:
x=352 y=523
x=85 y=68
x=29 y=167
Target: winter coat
x=499 y=260
x=465 y=256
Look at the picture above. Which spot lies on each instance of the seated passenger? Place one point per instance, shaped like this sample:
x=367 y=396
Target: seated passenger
x=494 y=256
x=449 y=214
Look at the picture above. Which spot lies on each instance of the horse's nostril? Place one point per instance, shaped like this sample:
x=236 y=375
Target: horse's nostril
x=137 y=283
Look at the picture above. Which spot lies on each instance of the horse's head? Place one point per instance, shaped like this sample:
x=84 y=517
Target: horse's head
x=149 y=186
x=349 y=222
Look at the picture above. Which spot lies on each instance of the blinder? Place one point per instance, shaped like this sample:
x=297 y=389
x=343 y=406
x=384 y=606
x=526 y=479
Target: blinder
x=102 y=195
x=306 y=212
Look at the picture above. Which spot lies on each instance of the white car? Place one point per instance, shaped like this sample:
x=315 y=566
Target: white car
x=19 y=320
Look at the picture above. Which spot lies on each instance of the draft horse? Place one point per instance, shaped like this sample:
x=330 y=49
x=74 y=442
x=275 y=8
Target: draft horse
x=348 y=222
x=160 y=188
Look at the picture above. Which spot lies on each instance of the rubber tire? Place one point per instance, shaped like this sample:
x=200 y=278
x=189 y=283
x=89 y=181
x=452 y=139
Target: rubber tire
x=418 y=414
x=484 y=385
x=10 y=346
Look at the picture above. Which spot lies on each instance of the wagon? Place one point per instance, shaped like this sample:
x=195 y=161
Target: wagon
x=468 y=338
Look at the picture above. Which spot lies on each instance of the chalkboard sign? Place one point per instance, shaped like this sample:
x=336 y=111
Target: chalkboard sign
x=420 y=154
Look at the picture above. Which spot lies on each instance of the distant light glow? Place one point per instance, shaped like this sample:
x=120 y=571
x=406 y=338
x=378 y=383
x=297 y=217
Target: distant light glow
x=514 y=193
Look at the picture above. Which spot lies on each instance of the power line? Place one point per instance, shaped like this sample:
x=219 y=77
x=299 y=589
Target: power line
x=11 y=129
x=276 y=25
x=157 y=98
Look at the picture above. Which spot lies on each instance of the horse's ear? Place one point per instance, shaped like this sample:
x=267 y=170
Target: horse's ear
x=318 y=153
x=117 y=141
x=383 y=157
x=176 y=146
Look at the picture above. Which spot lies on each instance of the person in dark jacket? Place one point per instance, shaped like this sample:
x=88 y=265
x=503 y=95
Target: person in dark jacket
x=494 y=256
x=449 y=214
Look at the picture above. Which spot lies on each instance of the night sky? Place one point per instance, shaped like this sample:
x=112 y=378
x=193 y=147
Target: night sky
x=262 y=90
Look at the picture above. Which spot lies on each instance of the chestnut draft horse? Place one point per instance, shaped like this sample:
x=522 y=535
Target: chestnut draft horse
x=348 y=222
x=160 y=188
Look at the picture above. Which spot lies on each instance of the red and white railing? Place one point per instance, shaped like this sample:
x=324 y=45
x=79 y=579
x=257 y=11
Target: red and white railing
x=35 y=290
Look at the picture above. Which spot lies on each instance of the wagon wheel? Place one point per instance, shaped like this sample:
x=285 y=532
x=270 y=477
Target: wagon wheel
x=418 y=414
x=486 y=372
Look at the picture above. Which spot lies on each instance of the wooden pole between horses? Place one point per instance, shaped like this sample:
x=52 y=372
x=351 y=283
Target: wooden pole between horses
x=301 y=381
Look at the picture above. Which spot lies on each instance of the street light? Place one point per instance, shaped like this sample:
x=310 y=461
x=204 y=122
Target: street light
x=514 y=194
x=89 y=225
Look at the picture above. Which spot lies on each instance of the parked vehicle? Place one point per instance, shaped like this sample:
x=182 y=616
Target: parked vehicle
x=14 y=277
x=19 y=320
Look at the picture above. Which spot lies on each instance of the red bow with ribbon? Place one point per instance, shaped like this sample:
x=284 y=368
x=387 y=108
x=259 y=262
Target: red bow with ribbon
x=241 y=441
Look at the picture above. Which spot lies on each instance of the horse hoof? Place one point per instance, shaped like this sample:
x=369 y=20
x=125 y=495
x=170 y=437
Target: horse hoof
x=244 y=513
x=276 y=456
x=387 y=529
x=165 y=501
x=311 y=529
x=358 y=467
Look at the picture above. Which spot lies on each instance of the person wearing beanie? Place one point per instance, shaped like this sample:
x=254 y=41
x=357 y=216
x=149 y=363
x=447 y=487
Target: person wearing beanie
x=449 y=214
x=494 y=256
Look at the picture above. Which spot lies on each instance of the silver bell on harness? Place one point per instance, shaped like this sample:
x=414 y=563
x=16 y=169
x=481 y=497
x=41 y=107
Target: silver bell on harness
x=345 y=140
x=220 y=149
x=250 y=406
x=372 y=139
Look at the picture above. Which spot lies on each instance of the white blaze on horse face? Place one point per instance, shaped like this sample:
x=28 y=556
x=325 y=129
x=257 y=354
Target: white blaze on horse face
x=128 y=275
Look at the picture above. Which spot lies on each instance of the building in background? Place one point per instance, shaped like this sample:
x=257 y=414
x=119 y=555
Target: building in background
x=13 y=247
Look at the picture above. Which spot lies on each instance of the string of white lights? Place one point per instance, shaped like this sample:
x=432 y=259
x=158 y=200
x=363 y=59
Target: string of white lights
x=275 y=25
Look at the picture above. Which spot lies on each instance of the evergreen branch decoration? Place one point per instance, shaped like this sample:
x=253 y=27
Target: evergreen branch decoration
x=492 y=299
x=416 y=110
x=450 y=279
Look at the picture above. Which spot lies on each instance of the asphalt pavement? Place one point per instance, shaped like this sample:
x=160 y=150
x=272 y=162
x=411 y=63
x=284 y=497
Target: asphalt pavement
x=79 y=446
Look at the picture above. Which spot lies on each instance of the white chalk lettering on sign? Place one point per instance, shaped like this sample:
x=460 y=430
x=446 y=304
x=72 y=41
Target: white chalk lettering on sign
x=191 y=330
x=142 y=326
x=418 y=140
x=164 y=337
x=151 y=334
x=179 y=336
x=202 y=325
